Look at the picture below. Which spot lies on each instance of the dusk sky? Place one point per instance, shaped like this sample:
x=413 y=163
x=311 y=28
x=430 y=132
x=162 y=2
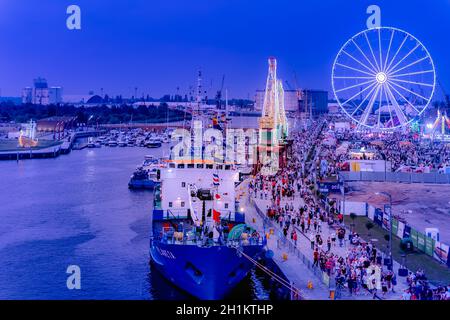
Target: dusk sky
x=159 y=45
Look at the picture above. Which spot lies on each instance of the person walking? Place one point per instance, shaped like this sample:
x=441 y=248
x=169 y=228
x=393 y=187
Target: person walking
x=294 y=237
x=316 y=258
x=312 y=242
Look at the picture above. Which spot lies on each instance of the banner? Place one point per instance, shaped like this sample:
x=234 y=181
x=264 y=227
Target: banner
x=407 y=231
x=378 y=219
x=429 y=246
x=386 y=217
x=371 y=212
x=440 y=252
x=394 y=226
x=414 y=237
x=421 y=241
x=400 y=230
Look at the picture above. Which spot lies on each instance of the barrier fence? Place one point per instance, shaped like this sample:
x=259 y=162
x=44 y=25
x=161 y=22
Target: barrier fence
x=432 y=177
x=321 y=275
x=422 y=242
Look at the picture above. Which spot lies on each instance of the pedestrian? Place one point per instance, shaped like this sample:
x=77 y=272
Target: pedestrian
x=316 y=258
x=294 y=237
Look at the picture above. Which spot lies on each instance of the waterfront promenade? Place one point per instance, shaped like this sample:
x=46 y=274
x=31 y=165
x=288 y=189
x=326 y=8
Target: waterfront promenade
x=298 y=265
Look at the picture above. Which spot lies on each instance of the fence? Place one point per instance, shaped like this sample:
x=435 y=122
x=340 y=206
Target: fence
x=432 y=177
x=435 y=249
x=321 y=275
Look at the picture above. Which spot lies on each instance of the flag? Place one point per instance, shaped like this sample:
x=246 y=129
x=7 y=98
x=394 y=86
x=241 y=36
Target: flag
x=216 y=215
x=215 y=179
x=217 y=196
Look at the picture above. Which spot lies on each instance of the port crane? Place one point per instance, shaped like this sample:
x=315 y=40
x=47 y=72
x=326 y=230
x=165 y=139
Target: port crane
x=219 y=94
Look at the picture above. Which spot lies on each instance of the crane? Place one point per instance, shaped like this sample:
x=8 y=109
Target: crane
x=219 y=94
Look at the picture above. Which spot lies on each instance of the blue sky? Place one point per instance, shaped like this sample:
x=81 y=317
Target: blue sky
x=159 y=45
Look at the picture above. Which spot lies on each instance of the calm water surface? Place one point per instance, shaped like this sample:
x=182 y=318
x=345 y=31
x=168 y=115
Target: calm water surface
x=77 y=210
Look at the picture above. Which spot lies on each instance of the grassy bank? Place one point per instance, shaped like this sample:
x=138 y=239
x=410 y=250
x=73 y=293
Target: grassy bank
x=437 y=273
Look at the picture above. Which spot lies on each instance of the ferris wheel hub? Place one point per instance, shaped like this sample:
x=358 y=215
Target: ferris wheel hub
x=381 y=77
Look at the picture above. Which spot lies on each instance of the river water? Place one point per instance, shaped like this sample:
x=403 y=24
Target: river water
x=77 y=210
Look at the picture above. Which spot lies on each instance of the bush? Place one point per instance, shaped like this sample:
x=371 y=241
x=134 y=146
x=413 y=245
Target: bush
x=369 y=225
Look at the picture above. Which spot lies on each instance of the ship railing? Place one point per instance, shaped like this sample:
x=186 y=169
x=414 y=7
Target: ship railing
x=193 y=237
x=176 y=214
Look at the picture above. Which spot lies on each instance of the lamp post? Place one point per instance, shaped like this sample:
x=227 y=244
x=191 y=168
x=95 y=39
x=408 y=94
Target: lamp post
x=391 y=263
x=343 y=204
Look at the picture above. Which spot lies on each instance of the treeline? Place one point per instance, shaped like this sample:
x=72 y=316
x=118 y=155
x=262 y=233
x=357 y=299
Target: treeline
x=91 y=115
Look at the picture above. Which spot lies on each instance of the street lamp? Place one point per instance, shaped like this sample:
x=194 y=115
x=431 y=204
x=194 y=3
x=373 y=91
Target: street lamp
x=391 y=263
x=343 y=204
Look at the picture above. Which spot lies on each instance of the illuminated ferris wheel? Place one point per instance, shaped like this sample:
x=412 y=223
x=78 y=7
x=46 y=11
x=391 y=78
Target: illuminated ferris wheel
x=383 y=78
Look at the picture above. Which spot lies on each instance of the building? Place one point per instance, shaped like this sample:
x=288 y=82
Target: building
x=314 y=102
x=41 y=93
x=56 y=124
x=291 y=101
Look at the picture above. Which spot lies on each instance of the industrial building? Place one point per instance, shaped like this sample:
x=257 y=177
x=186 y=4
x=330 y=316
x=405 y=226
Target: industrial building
x=314 y=102
x=41 y=93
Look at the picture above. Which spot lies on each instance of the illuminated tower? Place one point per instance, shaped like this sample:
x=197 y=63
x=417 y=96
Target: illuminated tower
x=273 y=129
x=273 y=124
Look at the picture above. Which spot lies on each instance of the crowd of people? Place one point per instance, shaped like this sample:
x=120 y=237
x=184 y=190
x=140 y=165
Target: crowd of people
x=420 y=289
x=358 y=267
x=399 y=148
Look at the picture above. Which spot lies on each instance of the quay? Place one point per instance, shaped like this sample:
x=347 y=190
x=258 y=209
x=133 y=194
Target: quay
x=295 y=261
x=59 y=147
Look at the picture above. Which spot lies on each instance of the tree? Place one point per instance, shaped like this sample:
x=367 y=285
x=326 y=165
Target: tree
x=369 y=225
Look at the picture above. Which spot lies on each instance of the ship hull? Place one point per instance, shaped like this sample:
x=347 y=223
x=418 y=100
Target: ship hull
x=142 y=184
x=208 y=273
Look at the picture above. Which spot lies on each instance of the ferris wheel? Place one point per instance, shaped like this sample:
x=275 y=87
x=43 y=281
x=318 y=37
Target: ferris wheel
x=383 y=78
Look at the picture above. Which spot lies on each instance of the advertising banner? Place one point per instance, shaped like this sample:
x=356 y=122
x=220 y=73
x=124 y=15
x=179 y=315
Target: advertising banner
x=440 y=252
x=378 y=219
x=429 y=246
x=414 y=237
x=421 y=241
x=394 y=226
x=407 y=231
x=371 y=212
x=386 y=217
x=400 y=230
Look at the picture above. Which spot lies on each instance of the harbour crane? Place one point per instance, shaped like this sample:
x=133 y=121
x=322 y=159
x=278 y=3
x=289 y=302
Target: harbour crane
x=219 y=94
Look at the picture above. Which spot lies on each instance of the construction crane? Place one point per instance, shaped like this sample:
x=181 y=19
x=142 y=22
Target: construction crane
x=219 y=95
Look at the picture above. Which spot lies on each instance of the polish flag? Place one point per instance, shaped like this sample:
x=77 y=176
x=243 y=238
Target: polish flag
x=216 y=215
